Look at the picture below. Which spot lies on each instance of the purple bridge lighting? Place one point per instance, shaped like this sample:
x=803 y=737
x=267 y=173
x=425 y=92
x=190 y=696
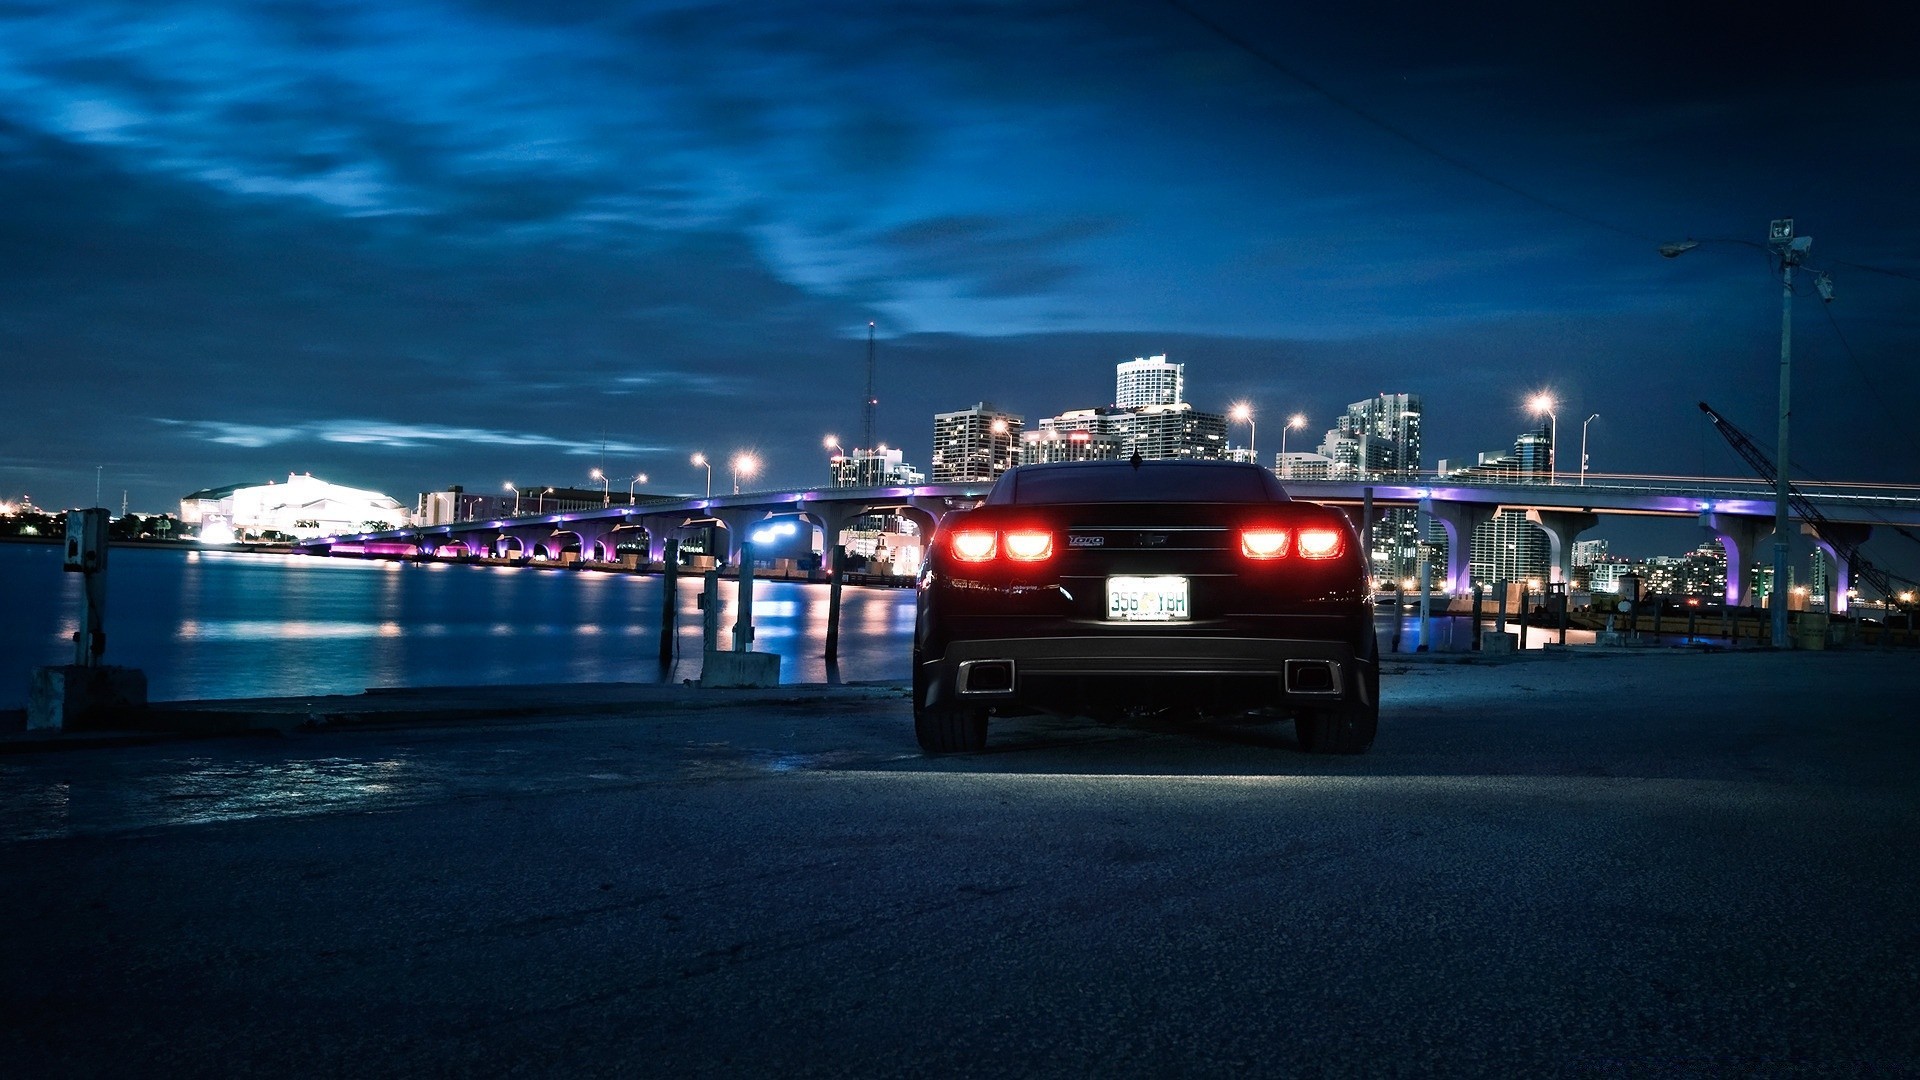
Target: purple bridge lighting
x=1738 y=512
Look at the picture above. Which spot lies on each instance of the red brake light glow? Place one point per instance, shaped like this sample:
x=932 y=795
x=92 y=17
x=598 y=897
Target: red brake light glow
x=1029 y=545
x=1263 y=543
x=972 y=545
x=1319 y=543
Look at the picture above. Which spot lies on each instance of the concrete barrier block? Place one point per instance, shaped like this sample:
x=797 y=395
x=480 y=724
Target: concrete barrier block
x=726 y=670
x=1493 y=641
x=68 y=697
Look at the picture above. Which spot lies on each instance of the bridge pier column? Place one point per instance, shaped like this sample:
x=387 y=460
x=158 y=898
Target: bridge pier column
x=738 y=522
x=1458 y=520
x=659 y=527
x=1562 y=527
x=1842 y=579
x=832 y=519
x=925 y=513
x=1744 y=537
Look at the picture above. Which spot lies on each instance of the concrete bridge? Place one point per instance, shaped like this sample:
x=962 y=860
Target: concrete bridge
x=1737 y=512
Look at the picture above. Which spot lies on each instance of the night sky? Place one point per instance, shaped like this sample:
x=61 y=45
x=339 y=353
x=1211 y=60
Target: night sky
x=406 y=245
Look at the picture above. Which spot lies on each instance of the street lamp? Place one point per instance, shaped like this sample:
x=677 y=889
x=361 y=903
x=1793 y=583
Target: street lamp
x=744 y=464
x=606 y=497
x=540 y=501
x=516 y=496
x=638 y=478
x=1294 y=423
x=1583 y=447
x=1544 y=403
x=1792 y=251
x=1243 y=413
x=701 y=459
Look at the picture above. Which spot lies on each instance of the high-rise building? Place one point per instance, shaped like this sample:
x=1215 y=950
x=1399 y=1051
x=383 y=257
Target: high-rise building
x=1375 y=438
x=1149 y=380
x=1820 y=582
x=975 y=445
x=879 y=467
x=1700 y=572
x=1160 y=425
x=1534 y=451
x=1303 y=465
x=1177 y=431
x=1048 y=447
x=1510 y=548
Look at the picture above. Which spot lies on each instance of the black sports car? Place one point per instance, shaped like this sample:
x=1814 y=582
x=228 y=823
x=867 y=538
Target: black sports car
x=1096 y=587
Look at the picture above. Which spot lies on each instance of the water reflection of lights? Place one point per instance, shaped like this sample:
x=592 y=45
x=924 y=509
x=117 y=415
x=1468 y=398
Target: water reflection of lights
x=295 y=629
x=203 y=790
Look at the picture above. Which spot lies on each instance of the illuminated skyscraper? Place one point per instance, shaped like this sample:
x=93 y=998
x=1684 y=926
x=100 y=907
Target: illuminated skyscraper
x=1149 y=380
x=1375 y=438
x=975 y=445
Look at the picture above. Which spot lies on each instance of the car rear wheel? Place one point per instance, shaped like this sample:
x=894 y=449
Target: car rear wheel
x=1348 y=727
x=1345 y=729
x=949 y=729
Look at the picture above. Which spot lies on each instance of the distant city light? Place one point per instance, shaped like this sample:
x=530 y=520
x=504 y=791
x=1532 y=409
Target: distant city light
x=771 y=532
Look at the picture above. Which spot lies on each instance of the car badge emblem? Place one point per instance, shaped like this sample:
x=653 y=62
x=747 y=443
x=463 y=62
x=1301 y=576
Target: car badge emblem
x=1086 y=541
x=1153 y=539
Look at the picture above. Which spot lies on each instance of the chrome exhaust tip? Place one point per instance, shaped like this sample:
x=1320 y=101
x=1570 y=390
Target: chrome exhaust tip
x=984 y=677
x=1319 y=678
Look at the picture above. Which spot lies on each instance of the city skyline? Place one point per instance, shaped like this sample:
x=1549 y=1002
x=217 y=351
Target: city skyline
x=405 y=245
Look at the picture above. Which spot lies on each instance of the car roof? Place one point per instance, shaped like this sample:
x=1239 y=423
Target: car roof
x=1160 y=481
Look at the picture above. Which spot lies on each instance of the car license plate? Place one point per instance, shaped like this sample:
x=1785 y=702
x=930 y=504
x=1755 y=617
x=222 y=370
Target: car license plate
x=1147 y=599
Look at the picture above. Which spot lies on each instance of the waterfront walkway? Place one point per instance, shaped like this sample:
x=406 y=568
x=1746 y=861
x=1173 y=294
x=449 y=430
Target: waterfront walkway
x=1577 y=862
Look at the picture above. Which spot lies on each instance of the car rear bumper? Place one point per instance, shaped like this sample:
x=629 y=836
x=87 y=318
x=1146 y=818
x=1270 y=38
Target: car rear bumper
x=1069 y=673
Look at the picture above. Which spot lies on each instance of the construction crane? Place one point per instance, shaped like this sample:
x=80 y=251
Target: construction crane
x=1809 y=513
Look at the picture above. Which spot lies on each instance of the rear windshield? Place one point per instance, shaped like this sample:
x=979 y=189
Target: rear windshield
x=1149 y=482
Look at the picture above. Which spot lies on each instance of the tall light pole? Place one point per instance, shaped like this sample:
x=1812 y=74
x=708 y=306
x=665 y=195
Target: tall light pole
x=1583 y=447
x=1544 y=403
x=638 y=478
x=606 y=496
x=744 y=464
x=1294 y=423
x=701 y=459
x=516 y=496
x=1792 y=251
x=540 y=501
x=1243 y=413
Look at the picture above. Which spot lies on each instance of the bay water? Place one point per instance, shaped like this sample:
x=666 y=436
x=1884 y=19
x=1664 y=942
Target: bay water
x=214 y=624
x=211 y=624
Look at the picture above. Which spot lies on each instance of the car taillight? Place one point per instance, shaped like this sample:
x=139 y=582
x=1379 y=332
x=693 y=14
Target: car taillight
x=1319 y=543
x=972 y=545
x=1028 y=545
x=1263 y=543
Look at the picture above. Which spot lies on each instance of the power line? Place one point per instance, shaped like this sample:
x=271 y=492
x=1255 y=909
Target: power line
x=1878 y=270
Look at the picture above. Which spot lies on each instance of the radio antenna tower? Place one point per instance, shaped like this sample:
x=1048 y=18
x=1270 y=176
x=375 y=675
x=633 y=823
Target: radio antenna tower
x=866 y=431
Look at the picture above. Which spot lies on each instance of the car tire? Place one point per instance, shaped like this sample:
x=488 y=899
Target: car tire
x=1348 y=727
x=1345 y=729
x=950 y=729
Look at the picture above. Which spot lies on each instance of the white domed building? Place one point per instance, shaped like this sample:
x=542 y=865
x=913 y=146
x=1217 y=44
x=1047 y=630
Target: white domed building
x=304 y=506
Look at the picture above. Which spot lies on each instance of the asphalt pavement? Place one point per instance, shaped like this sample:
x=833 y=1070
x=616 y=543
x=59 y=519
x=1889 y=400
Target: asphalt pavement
x=1580 y=863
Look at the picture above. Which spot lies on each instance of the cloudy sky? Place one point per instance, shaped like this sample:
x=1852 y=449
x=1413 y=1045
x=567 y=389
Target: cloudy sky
x=405 y=244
